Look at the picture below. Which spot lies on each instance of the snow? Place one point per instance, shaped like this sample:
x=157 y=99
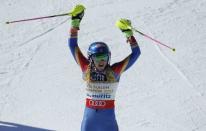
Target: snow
x=41 y=87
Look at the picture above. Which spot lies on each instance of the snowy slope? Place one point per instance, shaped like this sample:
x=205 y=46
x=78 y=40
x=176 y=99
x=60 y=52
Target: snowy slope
x=41 y=87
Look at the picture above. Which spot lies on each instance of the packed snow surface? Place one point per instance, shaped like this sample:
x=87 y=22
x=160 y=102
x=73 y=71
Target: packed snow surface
x=41 y=86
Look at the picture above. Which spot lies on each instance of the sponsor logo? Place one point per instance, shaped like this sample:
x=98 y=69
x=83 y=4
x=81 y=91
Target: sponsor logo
x=98 y=86
x=97 y=103
x=99 y=95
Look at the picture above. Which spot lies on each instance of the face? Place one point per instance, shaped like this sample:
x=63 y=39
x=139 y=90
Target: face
x=100 y=61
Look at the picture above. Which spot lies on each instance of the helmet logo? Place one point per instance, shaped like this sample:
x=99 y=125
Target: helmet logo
x=101 y=50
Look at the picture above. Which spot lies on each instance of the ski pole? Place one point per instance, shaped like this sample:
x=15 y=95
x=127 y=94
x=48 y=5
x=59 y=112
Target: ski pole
x=158 y=42
x=37 y=18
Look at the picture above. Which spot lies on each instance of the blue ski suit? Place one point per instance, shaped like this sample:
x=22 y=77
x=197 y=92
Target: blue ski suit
x=99 y=113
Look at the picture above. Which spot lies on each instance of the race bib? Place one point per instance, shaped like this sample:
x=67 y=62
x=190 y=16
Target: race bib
x=101 y=91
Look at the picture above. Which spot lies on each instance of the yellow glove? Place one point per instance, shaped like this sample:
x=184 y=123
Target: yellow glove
x=77 y=14
x=78 y=9
x=125 y=26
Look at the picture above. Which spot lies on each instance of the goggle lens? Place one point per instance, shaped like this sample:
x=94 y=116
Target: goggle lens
x=100 y=57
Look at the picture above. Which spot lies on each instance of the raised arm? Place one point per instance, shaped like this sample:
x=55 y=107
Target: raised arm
x=77 y=14
x=125 y=64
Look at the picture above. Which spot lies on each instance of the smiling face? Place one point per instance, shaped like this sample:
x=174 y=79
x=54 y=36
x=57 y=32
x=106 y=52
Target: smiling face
x=100 y=65
x=100 y=61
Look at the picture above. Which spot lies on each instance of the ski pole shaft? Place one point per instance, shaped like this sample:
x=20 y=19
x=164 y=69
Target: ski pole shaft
x=157 y=42
x=37 y=18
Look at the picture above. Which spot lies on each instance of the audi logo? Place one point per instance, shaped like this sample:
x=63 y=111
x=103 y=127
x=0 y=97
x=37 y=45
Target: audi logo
x=97 y=103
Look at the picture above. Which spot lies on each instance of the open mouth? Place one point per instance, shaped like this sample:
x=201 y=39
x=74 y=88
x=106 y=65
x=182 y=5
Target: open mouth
x=101 y=65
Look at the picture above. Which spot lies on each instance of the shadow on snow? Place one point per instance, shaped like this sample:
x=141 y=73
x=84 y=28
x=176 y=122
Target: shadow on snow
x=7 y=126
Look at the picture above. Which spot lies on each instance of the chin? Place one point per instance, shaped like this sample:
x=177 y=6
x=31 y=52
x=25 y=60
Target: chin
x=101 y=68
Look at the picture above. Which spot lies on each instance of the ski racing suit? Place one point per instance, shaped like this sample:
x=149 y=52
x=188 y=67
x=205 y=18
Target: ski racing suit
x=99 y=114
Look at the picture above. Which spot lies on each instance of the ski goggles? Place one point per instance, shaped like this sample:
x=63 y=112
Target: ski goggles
x=100 y=57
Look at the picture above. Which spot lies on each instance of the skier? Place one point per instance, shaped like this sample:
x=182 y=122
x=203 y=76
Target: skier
x=101 y=77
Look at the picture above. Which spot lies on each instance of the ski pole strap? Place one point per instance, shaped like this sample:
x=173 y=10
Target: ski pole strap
x=73 y=32
x=132 y=41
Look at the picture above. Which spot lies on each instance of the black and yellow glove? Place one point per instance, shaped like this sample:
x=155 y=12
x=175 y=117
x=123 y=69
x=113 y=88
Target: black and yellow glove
x=77 y=14
x=125 y=26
